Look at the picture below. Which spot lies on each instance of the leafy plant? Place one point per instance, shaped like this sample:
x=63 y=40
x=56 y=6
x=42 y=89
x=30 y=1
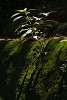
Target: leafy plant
x=34 y=23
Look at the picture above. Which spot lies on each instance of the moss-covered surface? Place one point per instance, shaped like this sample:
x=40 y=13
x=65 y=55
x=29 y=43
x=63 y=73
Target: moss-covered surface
x=33 y=69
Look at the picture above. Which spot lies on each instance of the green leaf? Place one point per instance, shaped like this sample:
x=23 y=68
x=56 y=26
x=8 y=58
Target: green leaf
x=27 y=12
x=41 y=22
x=28 y=32
x=36 y=23
x=21 y=11
x=22 y=30
x=17 y=18
x=28 y=18
x=15 y=15
x=36 y=18
x=24 y=25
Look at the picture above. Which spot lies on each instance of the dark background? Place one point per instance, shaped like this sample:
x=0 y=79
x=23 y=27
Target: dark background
x=8 y=7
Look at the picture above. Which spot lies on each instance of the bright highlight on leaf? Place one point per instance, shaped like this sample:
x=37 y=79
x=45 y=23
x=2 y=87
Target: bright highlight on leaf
x=14 y=15
x=21 y=11
x=17 y=18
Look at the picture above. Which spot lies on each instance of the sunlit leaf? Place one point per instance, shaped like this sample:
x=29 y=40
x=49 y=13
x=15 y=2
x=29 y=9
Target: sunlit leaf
x=29 y=31
x=36 y=18
x=22 y=30
x=21 y=11
x=24 y=25
x=28 y=18
x=27 y=12
x=45 y=14
x=15 y=15
x=36 y=23
x=17 y=18
x=39 y=22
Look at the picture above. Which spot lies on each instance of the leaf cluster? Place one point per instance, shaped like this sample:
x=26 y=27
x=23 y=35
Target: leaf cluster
x=34 y=23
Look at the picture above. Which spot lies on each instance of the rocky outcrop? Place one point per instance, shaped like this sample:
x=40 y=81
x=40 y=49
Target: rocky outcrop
x=33 y=69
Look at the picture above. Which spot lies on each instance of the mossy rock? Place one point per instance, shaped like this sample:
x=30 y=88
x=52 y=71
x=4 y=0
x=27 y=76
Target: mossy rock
x=33 y=69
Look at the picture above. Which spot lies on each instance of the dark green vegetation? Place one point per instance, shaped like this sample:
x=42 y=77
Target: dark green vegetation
x=33 y=69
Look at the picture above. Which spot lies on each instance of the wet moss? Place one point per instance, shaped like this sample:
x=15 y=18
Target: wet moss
x=30 y=69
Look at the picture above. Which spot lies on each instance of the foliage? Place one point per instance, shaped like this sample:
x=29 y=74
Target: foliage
x=34 y=69
x=28 y=72
x=34 y=23
x=7 y=8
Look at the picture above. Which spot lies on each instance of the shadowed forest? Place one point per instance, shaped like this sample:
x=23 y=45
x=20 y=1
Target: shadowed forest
x=33 y=50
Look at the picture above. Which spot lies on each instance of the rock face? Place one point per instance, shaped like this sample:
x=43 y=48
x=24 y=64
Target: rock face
x=62 y=29
x=33 y=69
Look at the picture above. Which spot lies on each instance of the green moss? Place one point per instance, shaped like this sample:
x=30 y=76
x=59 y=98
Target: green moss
x=30 y=70
x=63 y=55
